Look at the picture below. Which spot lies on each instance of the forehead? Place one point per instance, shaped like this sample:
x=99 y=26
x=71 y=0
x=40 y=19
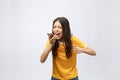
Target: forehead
x=57 y=23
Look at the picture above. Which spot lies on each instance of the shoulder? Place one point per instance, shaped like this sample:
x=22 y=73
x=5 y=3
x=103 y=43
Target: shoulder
x=77 y=41
x=74 y=38
x=47 y=43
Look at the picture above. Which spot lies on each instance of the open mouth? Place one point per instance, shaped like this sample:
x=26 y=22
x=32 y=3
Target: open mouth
x=57 y=35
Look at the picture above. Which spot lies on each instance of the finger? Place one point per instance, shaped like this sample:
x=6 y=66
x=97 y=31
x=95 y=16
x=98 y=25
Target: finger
x=53 y=39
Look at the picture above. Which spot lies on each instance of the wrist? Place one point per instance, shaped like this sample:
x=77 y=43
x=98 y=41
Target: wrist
x=84 y=50
x=51 y=44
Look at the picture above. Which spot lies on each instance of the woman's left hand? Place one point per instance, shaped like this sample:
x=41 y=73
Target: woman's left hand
x=77 y=49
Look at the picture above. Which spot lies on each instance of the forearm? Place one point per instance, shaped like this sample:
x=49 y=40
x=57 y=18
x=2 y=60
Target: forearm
x=45 y=53
x=89 y=51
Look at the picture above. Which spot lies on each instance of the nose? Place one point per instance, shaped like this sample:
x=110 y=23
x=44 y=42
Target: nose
x=56 y=29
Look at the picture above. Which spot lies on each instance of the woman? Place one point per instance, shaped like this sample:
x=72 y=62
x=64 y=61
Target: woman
x=64 y=47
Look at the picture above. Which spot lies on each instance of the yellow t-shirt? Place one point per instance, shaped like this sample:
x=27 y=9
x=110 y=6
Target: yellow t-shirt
x=64 y=68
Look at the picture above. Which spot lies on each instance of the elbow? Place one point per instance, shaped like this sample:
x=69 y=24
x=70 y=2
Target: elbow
x=90 y=51
x=42 y=61
x=94 y=53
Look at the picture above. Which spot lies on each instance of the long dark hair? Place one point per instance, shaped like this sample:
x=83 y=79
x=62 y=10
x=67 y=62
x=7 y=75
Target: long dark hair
x=66 y=37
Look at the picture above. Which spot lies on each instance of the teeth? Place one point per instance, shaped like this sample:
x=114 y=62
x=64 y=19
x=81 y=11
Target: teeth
x=57 y=33
x=56 y=36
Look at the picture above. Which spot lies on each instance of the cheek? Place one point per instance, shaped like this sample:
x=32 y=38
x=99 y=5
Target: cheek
x=61 y=33
x=53 y=30
x=61 y=30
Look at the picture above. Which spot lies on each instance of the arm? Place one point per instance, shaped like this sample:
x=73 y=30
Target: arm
x=86 y=50
x=81 y=47
x=48 y=49
x=89 y=51
x=45 y=53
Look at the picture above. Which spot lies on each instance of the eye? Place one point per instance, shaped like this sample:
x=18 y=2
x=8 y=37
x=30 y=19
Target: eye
x=54 y=26
x=59 y=27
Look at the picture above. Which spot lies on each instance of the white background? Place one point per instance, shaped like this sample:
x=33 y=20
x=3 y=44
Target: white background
x=23 y=28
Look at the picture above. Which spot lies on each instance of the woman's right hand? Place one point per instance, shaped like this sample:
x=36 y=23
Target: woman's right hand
x=52 y=38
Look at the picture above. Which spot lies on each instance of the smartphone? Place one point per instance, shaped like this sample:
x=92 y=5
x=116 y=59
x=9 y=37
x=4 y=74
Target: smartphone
x=50 y=35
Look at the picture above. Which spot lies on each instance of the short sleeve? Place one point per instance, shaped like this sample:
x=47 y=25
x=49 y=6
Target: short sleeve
x=78 y=42
x=47 y=43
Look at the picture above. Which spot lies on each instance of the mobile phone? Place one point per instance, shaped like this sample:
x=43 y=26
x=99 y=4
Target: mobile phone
x=50 y=35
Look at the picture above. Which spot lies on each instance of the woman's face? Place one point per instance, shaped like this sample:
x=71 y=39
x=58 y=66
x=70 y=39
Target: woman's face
x=57 y=30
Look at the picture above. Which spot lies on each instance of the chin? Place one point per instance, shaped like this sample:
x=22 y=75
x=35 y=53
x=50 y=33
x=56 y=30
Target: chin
x=58 y=38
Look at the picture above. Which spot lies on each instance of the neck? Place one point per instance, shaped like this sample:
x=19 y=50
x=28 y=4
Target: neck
x=61 y=40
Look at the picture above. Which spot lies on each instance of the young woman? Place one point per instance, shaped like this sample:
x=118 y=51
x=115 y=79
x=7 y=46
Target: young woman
x=65 y=48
